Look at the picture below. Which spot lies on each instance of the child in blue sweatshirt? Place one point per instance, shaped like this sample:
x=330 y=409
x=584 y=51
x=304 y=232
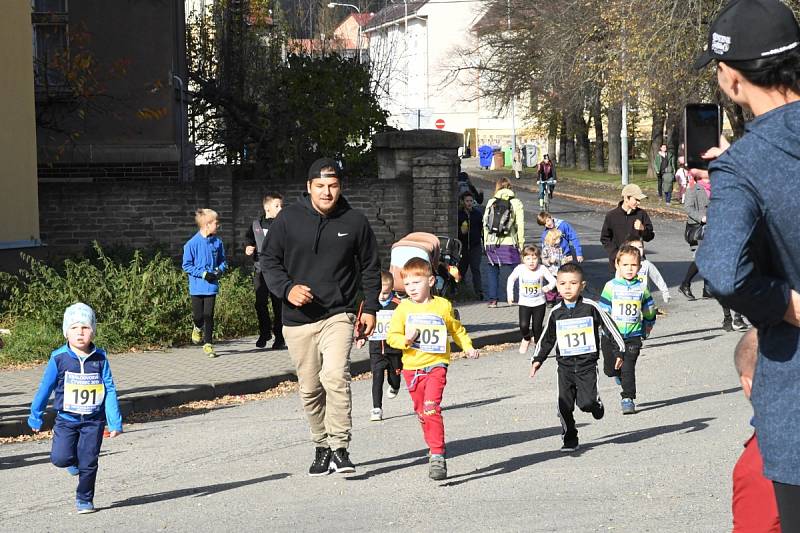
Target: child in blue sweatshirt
x=204 y=261
x=85 y=401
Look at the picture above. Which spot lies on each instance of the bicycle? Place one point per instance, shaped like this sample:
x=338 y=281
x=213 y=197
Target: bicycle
x=546 y=193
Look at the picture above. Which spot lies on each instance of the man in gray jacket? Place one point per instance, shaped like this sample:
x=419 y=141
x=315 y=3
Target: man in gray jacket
x=750 y=255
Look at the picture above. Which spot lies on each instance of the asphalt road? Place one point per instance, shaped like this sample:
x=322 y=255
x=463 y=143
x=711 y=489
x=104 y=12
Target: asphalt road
x=667 y=468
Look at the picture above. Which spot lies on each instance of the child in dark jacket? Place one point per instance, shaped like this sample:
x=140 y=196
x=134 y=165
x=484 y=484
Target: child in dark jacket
x=382 y=357
x=204 y=261
x=85 y=401
x=574 y=328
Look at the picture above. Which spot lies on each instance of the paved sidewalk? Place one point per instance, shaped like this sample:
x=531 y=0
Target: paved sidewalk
x=155 y=380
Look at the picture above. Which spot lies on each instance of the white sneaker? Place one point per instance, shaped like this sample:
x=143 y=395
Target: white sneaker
x=392 y=393
x=376 y=415
x=524 y=345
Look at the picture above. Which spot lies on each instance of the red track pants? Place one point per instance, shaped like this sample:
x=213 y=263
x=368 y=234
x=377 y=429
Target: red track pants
x=426 y=389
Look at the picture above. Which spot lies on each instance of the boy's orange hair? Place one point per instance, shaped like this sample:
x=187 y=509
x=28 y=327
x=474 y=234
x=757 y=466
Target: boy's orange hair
x=417 y=267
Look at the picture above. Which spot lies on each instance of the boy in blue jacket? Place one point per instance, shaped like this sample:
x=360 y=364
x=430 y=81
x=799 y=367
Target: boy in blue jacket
x=570 y=242
x=85 y=401
x=204 y=261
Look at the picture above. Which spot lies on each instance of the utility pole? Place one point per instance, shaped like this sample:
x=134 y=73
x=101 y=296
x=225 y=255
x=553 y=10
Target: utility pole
x=513 y=97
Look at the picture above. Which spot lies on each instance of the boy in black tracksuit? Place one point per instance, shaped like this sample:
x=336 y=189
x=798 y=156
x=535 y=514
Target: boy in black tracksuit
x=382 y=357
x=255 y=244
x=574 y=327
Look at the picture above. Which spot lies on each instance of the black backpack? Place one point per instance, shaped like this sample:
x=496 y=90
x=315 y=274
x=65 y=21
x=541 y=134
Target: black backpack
x=500 y=218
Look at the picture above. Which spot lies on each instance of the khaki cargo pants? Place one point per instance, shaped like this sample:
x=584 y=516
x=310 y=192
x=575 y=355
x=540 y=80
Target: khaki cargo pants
x=321 y=356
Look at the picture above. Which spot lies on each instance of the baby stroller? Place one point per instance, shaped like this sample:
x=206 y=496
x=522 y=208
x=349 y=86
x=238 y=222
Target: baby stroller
x=443 y=253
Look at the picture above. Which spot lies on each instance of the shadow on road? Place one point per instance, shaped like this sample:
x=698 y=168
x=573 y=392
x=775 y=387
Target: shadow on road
x=647 y=406
x=684 y=341
x=456 y=448
x=476 y=403
x=30 y=459
x=629 y=437
x=193 y=491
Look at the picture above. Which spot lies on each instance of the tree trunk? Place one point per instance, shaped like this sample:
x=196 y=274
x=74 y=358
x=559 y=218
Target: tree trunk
x=597 y=117
x=552 y=135
x=656 y=137
x=569 y=141
x=582 y=148
x=562 y=143
x=614 y=130
x=736 y=117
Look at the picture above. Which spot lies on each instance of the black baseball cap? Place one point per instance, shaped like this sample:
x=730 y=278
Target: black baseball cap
x=315 y=171
x=750 y=29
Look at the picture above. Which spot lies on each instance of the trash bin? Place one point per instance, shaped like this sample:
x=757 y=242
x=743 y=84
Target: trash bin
x=531 y=155
x=498 y=159
x=508 y=156
x=485 y=156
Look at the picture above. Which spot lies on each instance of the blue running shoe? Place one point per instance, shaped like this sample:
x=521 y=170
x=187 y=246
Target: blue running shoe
x=84 y=507
x=73 y=470
x=628 y=407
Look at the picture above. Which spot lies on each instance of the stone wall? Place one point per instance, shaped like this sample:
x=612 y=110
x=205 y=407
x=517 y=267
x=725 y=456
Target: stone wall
x=415 y=191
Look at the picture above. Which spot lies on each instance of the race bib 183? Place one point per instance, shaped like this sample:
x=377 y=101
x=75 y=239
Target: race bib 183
x=432 y=332
x=83 y=393
x=626 y=306
x=575 y=336
x=382 y=319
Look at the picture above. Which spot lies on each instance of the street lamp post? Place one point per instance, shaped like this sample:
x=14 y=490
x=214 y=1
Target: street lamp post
x=358 y=43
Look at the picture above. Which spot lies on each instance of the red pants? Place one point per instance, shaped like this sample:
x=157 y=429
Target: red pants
x=426 y=389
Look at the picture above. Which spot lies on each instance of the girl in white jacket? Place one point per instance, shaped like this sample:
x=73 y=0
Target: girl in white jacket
x=534 y=281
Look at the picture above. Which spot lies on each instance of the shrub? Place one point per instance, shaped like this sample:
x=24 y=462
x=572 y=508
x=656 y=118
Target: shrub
x=140 y=303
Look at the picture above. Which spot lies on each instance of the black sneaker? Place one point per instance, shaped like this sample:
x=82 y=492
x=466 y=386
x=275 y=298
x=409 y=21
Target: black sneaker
x=322 y=462
x=262 y=340
x=599 y=411
x=739 y=324
x=341 y=462
x=279 y=344
x=686 y=290
x=570 y=445
x=727 y=324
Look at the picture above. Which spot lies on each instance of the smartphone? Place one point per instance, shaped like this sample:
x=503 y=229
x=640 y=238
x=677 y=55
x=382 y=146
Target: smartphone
x=702 y=127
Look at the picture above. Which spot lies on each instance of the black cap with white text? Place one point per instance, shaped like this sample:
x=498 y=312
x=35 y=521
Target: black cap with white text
x=750 y=29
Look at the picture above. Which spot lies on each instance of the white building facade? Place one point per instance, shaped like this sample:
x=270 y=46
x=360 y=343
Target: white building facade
x=417 y=56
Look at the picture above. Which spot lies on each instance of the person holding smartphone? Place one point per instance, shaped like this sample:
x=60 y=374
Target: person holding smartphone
x=750 y=254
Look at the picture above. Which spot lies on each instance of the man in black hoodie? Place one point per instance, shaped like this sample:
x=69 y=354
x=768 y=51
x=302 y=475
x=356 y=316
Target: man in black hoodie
x=319 y=251
x=625 y=222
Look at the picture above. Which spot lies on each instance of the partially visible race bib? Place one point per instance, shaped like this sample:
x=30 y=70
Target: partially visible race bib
x=626 y=305
x=382 y=319
x=432 y=336
x=83 y=393
x=643 y=279
x=575 y=336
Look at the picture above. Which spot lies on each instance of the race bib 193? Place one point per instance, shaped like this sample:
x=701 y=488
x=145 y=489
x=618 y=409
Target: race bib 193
x=432 y=333
x=382 y=319
x=575 y=336
x=530 y=290
x=83 y=393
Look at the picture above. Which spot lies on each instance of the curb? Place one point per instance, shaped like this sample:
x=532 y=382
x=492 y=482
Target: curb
x=164 y=399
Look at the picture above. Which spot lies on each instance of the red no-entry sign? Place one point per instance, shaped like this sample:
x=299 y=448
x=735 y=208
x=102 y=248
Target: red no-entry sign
x=439 y=123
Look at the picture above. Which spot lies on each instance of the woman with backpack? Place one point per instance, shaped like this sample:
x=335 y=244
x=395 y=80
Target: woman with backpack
x=503 y=237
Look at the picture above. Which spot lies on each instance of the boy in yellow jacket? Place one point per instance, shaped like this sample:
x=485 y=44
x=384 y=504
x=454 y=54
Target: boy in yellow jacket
x=420 y=327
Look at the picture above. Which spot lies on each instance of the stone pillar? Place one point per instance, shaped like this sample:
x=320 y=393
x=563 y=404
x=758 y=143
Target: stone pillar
x=427 y=161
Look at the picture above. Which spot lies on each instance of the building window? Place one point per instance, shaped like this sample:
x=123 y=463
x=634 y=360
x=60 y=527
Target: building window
x=49 y=18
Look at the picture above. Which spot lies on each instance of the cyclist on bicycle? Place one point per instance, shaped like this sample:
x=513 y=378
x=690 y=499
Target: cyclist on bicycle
x=546 y=179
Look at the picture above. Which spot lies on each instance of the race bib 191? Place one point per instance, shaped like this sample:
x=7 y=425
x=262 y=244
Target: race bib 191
x=382 y=319
x=575 y=336
x=432 y=333
x=83 y=393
